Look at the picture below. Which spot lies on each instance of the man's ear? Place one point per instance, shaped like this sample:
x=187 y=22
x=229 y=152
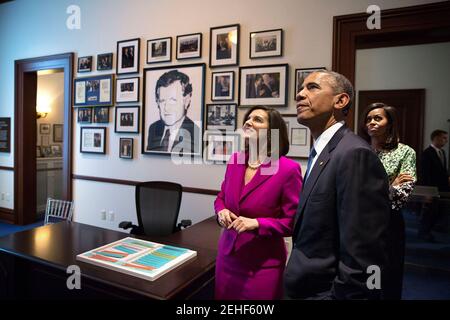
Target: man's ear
x=187 y=100
x=342 y=100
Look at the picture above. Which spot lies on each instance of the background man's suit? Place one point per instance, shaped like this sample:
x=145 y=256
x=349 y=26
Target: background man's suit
x=341 y=223
x=433 y=172
x=188 y=135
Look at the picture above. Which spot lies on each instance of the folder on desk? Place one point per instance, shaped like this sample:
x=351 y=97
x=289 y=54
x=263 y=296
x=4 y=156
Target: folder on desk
x=144 y=259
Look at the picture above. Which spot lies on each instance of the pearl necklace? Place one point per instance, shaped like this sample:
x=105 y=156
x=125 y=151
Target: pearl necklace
x=254 y=166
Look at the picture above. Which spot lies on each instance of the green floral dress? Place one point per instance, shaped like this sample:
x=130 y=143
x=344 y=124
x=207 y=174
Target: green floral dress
x=396 y=161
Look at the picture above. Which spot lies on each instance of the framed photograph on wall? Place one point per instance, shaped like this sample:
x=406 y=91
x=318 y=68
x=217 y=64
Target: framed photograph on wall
x=224 y=46
x=44 y=128
x=94 y=91
x=300 y=75
x=159 y=50
x=56 y=150
x=268 y=43
x=127 y=90
x=221 y=116
x=104 y=61
x=84 y=64
x=45 y=140
x=128 y=56
x=221 y=146
x=127 y=119
x=58 y=133
x=222 y=86
x=263 y=85
x=84 y=115
x=173 y=99
x=126 y=148
x=299 y=137
x=93 y=140
x=100 y=115
x=189 y=46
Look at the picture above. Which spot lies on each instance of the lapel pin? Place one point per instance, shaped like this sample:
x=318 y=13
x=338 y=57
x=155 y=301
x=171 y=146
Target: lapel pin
x=321 y=163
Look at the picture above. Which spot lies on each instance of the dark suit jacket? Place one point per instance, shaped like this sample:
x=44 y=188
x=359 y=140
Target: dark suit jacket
x=341 y=223
x=187 y=137
x=433 y=173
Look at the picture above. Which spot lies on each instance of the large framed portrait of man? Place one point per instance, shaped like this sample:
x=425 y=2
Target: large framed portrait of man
x=173 y=110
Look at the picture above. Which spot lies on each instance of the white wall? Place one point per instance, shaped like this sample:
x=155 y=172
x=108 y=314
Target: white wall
x=411 y=67
x=38 y=28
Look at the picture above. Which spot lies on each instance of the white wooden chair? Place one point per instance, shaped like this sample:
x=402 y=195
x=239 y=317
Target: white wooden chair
x=58 y=210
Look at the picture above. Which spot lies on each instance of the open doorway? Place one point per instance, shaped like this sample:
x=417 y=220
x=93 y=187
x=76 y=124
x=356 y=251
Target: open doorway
x=32 y=76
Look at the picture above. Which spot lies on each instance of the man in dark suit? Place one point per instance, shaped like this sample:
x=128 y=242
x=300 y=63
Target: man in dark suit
x=340 y=233
x=433 y=173
x=174 y=131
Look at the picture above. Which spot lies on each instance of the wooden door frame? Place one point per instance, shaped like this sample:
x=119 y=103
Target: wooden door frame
x=25 y=132
x=402 y=26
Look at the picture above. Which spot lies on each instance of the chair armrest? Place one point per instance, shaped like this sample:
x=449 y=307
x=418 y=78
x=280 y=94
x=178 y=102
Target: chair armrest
x=126 y=225
x=184 y=224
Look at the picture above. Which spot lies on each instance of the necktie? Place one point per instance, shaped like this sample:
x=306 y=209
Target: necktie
x=165 y=140
x=441 y=157
x=312 y=154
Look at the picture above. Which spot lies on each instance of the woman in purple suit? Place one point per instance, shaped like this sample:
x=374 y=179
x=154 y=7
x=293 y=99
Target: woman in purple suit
x=256 y=207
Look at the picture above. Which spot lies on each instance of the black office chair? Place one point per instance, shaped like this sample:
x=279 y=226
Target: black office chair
x=157 y=205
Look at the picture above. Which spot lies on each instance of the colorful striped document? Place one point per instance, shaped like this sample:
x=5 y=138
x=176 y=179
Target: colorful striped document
x=140 y=258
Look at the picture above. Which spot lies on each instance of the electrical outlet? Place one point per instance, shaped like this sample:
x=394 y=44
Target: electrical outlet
x=111 y=216
x=103 y=214
x=8 y=197
x=3 y=196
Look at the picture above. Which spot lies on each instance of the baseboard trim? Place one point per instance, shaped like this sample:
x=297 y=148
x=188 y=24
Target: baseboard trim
x=6 y=215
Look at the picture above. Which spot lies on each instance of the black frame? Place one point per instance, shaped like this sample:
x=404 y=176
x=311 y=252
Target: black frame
x=120 y=148
x=200 y=45
x=285 y=65
x=269 y=55
x=110 y=77
x=56 y=125
x=235 y=63
x=109 y=67
x=117 y=90
x=42 y=125
x=210 y=105
x=303 y=69
x=5 y=133
x=92 y=128
x=202 y=107
x=169 y=47
x=82 y=109
x=93 y=114
x=232 y=87
x=137 y=49
x=217 y=133
x=84 y=70
x=137 y=120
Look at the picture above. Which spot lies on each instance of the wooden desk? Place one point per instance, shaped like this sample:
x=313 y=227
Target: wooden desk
x=33 y=264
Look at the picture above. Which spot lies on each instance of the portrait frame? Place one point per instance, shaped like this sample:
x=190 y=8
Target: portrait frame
x=46 y=151
x=100 y=115
x=93 y=140
x=105 y=61
x=191 y=50
x=127 y=56
x=56 y=150
x=44 y=128
x=275 y=93
x=38 y=152
x=127 y=119
x=300 y=139
x=58 y=132
x=84 y=64
x=151 y=118
x=218 y=94
x=221 y=116
x=266 y=43
x=125 y=153
x=45 y=140
x=300 y=75
x=84 y=115
x=94 y=91
x=217 y=142
x=123 y=92
x=227 y=38
x=162 y=53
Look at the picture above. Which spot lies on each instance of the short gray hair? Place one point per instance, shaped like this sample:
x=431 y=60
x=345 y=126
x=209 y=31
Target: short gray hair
x=341 y=85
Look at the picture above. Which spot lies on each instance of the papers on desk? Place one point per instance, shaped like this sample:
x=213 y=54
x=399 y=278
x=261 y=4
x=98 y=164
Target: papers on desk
x=143 y=259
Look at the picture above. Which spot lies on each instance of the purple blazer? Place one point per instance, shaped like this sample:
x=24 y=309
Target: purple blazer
x=271 y=199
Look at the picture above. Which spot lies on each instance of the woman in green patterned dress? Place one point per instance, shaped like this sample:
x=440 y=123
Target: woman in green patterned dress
x=380 y=129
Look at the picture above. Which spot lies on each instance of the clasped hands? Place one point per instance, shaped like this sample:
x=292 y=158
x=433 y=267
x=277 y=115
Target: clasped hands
x=228 y=219
x=402 y=178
